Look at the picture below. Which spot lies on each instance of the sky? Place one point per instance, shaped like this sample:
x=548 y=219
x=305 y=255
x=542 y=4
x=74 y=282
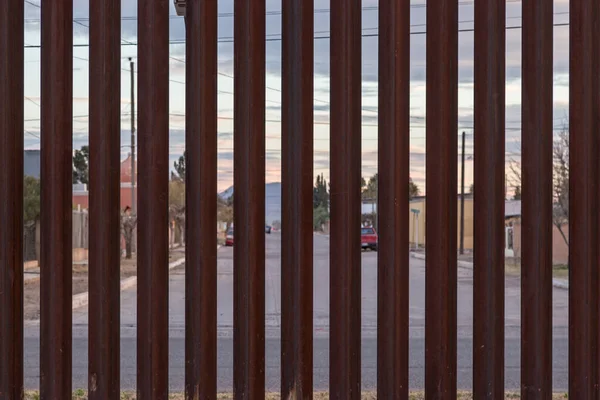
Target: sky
x=321 y=83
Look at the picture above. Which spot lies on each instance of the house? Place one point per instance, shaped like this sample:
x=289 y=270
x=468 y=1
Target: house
x=560 y=249
x=81 y=191
x=32 y=161
x=418 y=213
x=512 y=239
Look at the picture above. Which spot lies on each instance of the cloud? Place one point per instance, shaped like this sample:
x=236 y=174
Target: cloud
x=322 y=68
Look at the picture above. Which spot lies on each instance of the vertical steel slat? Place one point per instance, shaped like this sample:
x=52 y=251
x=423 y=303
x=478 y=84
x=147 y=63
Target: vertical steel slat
x=201 y=200
x=441 y=186
x=56 y=199
x=104 y=249
x=596 y=121
x=153 y=175
x=344 y=250
x=536 y=267
x=11 y=203
x=297 y=181
x=488 y=274
x=393 y=199
x=249 y=200
x=583 y=204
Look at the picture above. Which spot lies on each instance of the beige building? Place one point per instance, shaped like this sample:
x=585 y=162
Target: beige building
x=512 y=241
x=560 y=249
x=418 y=215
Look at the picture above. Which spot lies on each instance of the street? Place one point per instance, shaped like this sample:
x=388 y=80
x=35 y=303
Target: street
x=321 y=320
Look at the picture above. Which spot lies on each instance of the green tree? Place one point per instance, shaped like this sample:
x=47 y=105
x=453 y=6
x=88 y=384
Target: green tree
x=31 y=204
x=369 y=190
x=320 y=218
x=81 y=160
x=413 y=189
x=179 y=166
x=321 y=193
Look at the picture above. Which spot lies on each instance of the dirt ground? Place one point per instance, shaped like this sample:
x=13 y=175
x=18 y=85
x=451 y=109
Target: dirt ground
x=81 y=395
x=31 y=295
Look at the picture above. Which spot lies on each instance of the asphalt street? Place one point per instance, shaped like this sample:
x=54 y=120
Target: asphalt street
x=321 y=328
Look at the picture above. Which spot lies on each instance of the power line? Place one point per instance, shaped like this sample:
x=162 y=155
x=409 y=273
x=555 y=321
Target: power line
x=33 y=101
x=32 y=134
x=132 y=18
x=230 y=40
x=325 y=123
x=273 y=12
x=279 y=39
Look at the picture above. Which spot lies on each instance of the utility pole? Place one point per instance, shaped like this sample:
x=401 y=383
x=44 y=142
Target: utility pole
x=133 y=203
x=462 y=199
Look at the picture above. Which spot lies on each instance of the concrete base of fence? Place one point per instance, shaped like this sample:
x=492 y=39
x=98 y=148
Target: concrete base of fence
x=414 y=395
x=557 y=283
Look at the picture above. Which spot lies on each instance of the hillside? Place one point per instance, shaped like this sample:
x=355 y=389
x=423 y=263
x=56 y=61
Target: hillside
x=272 y=201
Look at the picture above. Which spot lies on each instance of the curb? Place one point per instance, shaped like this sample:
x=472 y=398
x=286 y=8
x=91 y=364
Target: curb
x=320 y=234
x=560 y=283
x=82 y=299
x=557 y=283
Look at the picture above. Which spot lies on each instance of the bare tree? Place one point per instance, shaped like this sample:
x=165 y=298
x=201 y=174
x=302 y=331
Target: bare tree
x=128 y=224
x=177 y=217
x=560 y=181
x=177 y=210
x=225 y=214
x=560 y=214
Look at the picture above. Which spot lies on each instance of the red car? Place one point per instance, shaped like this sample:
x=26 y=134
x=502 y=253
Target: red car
x=368 y=237
x=229 y=237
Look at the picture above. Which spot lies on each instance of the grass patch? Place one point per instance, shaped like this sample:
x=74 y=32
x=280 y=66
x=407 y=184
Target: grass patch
x=81 y=394
x=513 y=268
x=560 y=271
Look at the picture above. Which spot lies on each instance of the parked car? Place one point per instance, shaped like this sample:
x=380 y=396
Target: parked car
x=268 y=229
x=368 y=237
x=229 y=237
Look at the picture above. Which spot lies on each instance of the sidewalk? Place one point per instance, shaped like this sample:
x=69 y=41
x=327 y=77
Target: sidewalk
x=462 y=263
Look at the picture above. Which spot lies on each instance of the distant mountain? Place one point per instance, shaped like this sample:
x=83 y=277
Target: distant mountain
x=272 y=201
x=227 y=193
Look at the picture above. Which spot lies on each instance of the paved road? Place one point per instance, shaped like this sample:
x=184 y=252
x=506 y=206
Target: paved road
x=321 y=316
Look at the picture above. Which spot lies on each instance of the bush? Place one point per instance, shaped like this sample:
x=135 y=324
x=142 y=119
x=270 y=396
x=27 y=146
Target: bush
x=320 y=217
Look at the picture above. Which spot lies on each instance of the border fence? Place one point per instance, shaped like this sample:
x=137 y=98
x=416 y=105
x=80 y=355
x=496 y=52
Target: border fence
x=297 y=163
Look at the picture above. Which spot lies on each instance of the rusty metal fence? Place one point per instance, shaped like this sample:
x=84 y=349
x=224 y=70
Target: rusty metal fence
x=297 y=241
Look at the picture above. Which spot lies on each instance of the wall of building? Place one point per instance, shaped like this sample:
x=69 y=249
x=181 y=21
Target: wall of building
x=32 y=163
x=422 y=235
x=80 y=236
x=560 y=250
x=82 y=199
